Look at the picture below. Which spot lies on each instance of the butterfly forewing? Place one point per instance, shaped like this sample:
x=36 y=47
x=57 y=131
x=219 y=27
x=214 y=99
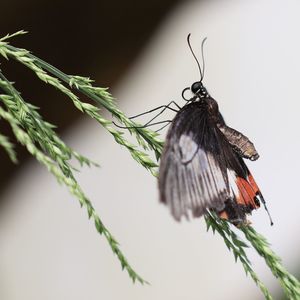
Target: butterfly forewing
x=191 y=177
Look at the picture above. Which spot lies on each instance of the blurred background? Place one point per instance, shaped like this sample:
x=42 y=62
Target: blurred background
x=48 y=248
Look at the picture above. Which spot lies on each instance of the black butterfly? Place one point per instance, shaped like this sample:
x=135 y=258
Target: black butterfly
x=202 y=164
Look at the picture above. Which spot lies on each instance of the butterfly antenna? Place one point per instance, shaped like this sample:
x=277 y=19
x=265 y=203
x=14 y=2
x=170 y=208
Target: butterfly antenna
x=202 y=54
x=197 y=61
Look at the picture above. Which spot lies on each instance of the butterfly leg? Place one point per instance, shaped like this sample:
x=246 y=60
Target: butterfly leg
x=161 y=128
x=149 y=123
x=163 y=107
x=240 y=143
x=145 y=125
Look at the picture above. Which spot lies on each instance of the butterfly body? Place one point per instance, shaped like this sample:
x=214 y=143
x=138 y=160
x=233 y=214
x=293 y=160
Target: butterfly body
x=202 y=165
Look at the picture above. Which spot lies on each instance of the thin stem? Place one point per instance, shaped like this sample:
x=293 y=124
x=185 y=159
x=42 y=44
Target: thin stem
x=74 y=188
x=234 y=244
x=289 y=283
x=103 y=98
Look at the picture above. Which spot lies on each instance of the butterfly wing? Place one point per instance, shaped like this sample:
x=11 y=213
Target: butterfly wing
x=200 y=170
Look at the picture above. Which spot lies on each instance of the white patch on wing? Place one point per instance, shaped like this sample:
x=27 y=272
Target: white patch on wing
x=192 y=179
x=187 y=148
x=234 y=191
x=260 y=198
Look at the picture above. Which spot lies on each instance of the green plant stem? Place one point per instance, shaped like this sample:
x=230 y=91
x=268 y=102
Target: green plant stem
x=105 y=100
x=74 y=188
x=234 y=244
x=39 y=130
x=100 y=95
x=289 y=283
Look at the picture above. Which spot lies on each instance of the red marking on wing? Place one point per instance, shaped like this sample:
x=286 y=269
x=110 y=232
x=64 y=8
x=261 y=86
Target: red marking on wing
x=253 y=183
x=247 y=192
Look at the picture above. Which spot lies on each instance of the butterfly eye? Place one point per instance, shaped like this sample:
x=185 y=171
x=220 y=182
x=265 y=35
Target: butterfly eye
x=196 y=87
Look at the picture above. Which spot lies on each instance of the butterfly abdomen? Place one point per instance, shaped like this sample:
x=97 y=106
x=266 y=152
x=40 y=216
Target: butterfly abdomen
x=240 y=143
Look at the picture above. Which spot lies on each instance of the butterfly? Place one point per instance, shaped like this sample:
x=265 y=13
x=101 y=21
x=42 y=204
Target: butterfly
x=202 y=164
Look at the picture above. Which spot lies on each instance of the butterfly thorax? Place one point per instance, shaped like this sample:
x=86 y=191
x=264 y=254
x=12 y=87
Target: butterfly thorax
x=212 y=108
x=202 y=96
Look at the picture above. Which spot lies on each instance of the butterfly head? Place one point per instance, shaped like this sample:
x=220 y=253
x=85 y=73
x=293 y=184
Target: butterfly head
x=199 y=90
